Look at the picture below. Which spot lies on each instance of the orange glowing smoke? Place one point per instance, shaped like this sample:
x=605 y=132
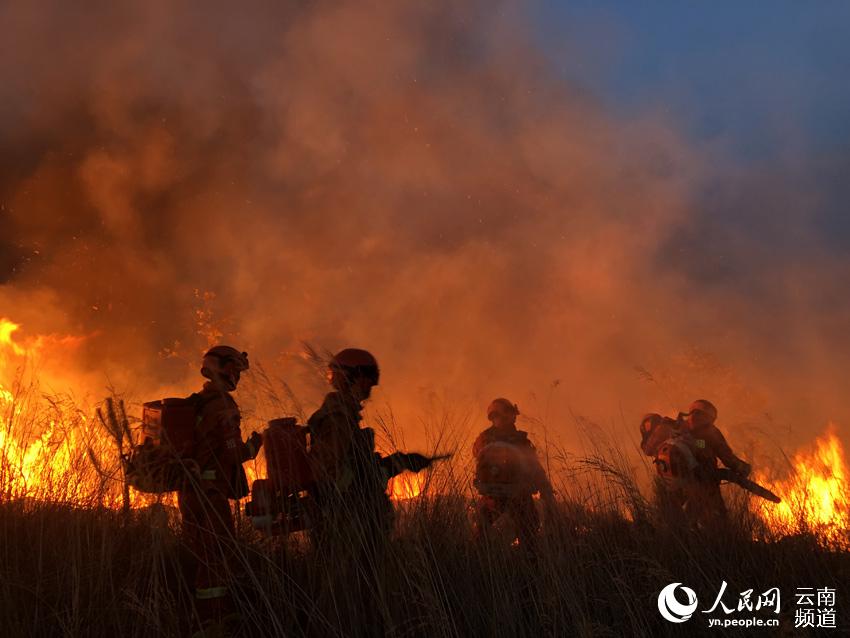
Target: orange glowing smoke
x=815 y=495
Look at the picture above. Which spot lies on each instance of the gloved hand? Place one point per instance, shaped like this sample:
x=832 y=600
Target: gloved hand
x=743 y=468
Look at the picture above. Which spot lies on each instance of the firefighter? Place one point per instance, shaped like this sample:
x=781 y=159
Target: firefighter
x=655 y=431
x=508 y=474
x=703 y=501
x=350 y=485
x=219 y=477
x=354 y=514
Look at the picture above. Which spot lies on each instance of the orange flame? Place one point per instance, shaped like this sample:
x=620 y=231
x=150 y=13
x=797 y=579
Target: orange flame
x=48 y=450
x=815 y=495
x=44 y=444
x=406 y=485
x=7 y=328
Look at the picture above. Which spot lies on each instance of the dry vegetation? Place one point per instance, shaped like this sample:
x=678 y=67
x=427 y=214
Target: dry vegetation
x=72 y=563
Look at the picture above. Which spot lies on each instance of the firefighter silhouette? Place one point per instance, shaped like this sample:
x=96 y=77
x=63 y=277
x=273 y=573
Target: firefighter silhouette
x=218 y=451
x=349 y=483
x=353 y=514
x=507 y=475
x=686 y=452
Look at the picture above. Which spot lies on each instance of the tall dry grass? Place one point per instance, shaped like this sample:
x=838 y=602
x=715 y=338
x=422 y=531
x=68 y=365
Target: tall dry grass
x=72 y=563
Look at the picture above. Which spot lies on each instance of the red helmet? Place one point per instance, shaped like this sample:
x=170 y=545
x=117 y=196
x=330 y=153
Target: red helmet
x=706 y=407
x=224 y=364
x=649 y=423
x=654 y=431
x=502 y=406
x=354 y=362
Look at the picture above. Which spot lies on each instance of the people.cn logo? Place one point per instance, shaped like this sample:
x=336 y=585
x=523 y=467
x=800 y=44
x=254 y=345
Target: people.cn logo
x=671 y=609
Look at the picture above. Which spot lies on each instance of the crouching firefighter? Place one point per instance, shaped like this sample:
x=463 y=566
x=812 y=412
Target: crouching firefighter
x=686 y=452
x=218 y=452
x=507 y=475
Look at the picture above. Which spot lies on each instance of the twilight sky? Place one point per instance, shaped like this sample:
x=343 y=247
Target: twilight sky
x=756 y=77
x=760 y=88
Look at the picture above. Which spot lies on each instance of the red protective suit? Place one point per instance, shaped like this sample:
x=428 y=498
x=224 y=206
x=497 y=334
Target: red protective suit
x=207 y=518
x=350 y=486
x=703 y=501
x=354 y=514
x=508 y=473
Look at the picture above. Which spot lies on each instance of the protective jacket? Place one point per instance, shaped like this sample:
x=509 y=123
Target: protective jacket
x=207 y=518
x=507 y=474
x=219 y=449
x=350 y=483
x=708 y=446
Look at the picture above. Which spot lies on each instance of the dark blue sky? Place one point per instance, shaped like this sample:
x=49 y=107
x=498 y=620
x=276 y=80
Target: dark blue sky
x=758 y=76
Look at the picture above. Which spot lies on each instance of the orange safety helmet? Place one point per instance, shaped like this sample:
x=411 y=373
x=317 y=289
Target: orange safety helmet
x=649 y=423
x=224 y=363
x=502 y=405
x=354 y=362
x=704 y=406
x=654 y=431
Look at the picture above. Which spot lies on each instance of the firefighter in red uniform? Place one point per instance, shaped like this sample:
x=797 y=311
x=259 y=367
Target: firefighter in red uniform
x=354 y=514
x=703 y=501
x=350 y=485
x=656 y=430
x=507 y=474
x=204 y=500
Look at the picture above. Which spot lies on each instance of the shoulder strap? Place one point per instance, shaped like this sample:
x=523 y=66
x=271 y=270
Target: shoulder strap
x=200 y=400
x=521 y=439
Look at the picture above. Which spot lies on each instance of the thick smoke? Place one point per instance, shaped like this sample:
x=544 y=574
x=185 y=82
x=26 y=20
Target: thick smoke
x=412 y=178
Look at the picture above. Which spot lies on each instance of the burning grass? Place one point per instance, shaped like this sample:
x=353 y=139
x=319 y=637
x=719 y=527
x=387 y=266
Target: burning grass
x=815 y=493
x=74 y=568
x=81 y=557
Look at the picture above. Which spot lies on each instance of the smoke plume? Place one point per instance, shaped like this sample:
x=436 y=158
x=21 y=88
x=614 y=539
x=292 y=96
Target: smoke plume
x=411 y=178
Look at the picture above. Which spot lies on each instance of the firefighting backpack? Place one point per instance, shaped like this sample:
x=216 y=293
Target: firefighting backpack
x=501 y=470
x=675 y=461
x=287 y=461
x=654 y=430
x=162 y=462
